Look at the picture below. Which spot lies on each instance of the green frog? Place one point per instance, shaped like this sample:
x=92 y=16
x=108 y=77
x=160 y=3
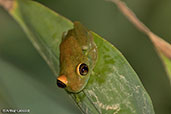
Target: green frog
x=78 y=56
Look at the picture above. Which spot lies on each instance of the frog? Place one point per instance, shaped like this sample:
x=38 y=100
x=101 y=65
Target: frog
x=78 y=56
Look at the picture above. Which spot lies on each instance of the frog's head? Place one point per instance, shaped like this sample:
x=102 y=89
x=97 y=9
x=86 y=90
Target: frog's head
x=77 y=56
x=74 y=81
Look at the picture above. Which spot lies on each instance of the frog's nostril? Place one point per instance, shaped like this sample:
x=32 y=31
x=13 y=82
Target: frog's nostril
x=61 y=84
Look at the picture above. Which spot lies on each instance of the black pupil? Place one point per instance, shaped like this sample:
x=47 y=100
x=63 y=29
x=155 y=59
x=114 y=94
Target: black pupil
x=60 y=84
x=83 y=69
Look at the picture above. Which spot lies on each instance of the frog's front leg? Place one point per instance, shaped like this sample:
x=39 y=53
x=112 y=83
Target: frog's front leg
x=64 y=34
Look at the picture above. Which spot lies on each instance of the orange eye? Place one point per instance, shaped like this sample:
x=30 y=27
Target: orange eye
x=82 y=69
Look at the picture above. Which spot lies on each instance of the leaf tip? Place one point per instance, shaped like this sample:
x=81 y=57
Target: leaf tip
x=161 y=45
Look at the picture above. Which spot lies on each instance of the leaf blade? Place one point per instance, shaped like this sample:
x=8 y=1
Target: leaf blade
x=112 y=93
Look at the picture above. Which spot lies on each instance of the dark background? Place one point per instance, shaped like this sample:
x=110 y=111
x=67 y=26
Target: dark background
x=27 y=82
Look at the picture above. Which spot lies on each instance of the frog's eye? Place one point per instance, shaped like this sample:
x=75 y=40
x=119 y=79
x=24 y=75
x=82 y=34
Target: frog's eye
x=82 y=69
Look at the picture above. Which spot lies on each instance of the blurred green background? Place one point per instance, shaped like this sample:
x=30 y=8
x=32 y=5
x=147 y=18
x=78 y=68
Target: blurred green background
x=26 y=82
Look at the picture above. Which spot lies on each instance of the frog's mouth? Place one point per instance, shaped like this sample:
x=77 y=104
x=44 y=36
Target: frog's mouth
x=62 y=81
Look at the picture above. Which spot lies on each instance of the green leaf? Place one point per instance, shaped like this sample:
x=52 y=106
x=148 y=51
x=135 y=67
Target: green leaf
x=113 y=87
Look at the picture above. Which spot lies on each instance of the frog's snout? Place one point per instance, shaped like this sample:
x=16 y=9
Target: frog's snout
x=62 y=81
